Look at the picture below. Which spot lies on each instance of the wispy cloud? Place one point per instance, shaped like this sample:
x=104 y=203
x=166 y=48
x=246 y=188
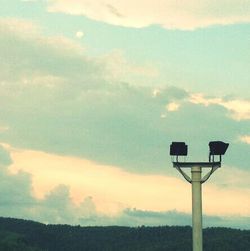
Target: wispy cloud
x=184 y=15
x=119 y=67
x=173 y=106
x=20 y=27
x=3 y=128
x=245 y=139
x=238 y=109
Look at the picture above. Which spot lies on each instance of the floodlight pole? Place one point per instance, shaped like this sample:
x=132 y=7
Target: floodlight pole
x=196 y=208
x=217 y=148
x=196 y=180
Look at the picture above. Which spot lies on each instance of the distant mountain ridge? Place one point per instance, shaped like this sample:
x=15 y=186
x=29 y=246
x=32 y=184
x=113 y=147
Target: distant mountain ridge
x=25 y=235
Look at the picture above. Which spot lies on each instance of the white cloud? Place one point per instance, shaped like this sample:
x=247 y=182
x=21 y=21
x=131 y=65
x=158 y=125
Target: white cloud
x=114 y=189
x=245 y=139
x=185 y=15
x=198 y=98
x=240 y=109
x=110 y=186
x=73 y=118
x=173 y=107
x=237 y=108
x=57 y=207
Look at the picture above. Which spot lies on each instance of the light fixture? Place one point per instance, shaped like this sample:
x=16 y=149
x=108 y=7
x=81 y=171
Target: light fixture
x=178 y=149
x=217 y=148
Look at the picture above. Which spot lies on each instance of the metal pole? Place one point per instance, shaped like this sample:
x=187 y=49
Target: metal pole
x=196 y=208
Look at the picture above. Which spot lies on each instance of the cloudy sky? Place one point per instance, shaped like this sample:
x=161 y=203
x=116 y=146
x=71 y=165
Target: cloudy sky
x=92 y=93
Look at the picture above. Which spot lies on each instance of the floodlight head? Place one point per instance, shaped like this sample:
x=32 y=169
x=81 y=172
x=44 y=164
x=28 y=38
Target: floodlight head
x=178 y=149
x=218 y=147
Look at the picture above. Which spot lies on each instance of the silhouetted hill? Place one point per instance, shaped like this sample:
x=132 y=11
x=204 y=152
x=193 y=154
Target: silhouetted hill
x=23 y=235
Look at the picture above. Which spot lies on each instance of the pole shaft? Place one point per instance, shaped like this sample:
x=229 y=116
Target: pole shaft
x=196 y=208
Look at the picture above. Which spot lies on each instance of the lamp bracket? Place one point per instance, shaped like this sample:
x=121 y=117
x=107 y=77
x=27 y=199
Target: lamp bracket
x=181 y=165
x=187 y=178
x=207 y=176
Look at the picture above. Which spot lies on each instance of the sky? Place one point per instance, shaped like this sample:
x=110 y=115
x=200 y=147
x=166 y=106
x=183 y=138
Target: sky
x=92 y=93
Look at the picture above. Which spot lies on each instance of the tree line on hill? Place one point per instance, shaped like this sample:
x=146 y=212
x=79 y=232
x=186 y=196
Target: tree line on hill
x=24 y=235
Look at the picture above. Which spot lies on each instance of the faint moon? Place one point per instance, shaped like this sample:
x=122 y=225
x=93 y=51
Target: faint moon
x=79 y=34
